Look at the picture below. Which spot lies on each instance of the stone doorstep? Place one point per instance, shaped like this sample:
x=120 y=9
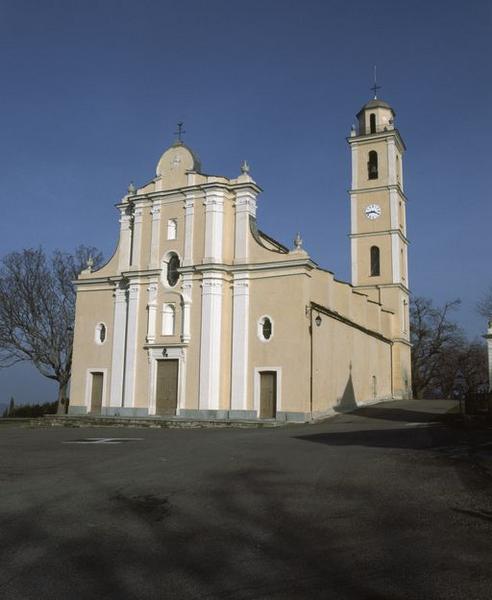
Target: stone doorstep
x=155 y=422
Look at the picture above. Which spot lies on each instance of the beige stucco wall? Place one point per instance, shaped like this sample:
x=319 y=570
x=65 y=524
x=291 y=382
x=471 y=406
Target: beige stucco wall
x=93 y=307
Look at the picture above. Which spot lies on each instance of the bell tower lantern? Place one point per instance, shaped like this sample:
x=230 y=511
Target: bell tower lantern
x=378 y=225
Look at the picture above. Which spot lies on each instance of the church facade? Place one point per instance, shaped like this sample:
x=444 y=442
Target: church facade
x=201 y=314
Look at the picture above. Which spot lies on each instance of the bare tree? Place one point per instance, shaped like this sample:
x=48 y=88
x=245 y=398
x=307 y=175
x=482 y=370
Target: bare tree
x=433 y=338
x=484 y=306
x=37 y=311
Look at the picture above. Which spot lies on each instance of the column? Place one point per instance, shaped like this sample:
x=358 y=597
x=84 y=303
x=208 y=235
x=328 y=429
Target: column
x=118 y=355
x=214 y=225
x=155 y=212
x=245 y=207
x=125 y=239
x=240 y=342
x=210 y=347
x=152 y=312
x=189 y=207
x=131 y=345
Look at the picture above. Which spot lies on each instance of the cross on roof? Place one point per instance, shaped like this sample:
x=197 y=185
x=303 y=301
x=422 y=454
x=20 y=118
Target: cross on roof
x=375 y=87
x=180 y=131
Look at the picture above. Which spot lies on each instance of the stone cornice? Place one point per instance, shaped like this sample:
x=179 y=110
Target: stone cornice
x=381 y=232
x=379 y=188
x=382 y=135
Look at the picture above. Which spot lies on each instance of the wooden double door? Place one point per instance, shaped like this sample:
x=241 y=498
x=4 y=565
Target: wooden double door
x=166 y=398
x=268 y=394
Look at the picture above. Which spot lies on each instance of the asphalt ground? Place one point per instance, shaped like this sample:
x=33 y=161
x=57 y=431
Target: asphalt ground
x=391 y=502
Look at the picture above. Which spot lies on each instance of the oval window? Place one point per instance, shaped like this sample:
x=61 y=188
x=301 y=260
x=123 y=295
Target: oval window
x=100 y=333
x=266 y=328
x=172 y=270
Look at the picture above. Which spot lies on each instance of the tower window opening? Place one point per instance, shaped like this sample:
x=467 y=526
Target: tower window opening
x=372 y=165
x=375 y=263
x=372 y=123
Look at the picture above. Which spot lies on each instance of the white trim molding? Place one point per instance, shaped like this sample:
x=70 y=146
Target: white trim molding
x=166 y=353
x=240 y=342
x=257 y=391
x=210 y=343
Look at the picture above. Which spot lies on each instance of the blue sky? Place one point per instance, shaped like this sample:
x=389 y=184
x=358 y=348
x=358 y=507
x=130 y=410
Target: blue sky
x=91 y=93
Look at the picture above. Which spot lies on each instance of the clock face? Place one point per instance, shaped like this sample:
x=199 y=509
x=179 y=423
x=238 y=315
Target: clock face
x=373 y=211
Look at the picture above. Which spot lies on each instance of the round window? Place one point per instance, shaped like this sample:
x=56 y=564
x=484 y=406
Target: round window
x=172 y=270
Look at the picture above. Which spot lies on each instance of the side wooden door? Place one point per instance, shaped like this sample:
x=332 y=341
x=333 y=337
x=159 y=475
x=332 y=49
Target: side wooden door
x=166 y=400
x=268 y=394
x=97 y=393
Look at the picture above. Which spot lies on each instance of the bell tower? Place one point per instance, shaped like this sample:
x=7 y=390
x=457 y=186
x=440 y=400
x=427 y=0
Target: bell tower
x=378 y=226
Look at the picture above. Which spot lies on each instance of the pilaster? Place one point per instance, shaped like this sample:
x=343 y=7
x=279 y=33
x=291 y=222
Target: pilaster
x=131 y=345
x=245 y=207
x=240 y=342
x=118 y=354
x=210 y=345
x=155 y=212
x=152 y=312
x=125 y=239
x=189 y=208
x=214 y=225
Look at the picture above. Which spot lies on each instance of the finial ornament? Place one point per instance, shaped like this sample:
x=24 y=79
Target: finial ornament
x=245 y=167
x=90 y=263
x=298 y=241
x=375 y=87
x=132 y=189
x=179 y=133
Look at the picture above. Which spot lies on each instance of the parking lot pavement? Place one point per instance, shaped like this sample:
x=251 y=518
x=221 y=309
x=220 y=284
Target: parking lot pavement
x=390 y=502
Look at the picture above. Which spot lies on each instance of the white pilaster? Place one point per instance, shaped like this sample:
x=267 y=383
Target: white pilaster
x=125 y=239
x=155 y=211
x=390 y=143
x=354 y=259
x=118 y=355
x=394 y=212
x=355 y=165
x=395 y=253
x=189 y=207
x=353 y=213
x=186 y=287
x=137 y=236
x=240 y=342
x=152 y=312
x=214 y=225
x=245 y=207
x=210 y=347
x=131 y=345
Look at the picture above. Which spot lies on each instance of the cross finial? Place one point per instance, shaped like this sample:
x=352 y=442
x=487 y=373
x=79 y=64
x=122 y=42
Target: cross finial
x=375 y=87
x=180 y=131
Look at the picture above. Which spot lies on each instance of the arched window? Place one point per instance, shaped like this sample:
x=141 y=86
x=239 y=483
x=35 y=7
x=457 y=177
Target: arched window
x=172 y=229
x=372 y=122
x=172 y=270
x=375 y=266
x=100 y=333
x=372 y=165
x=168 y=319
x=265 y=329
